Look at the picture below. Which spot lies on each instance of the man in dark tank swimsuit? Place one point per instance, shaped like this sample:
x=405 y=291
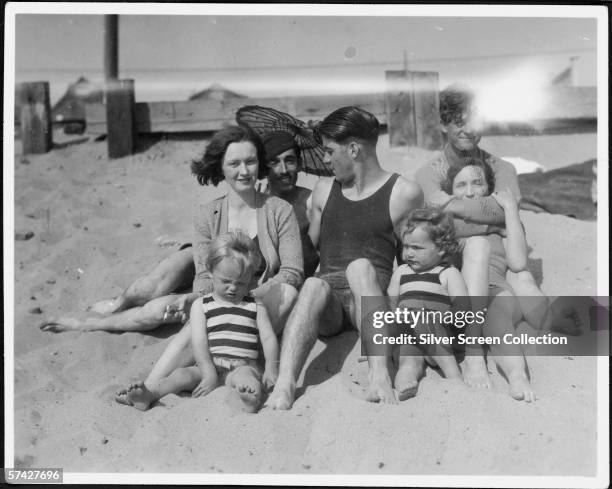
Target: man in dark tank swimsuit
x=355 y=221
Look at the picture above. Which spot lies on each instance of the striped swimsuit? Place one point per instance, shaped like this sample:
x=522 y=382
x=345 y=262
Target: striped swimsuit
x=424 y=290
x=233 y=337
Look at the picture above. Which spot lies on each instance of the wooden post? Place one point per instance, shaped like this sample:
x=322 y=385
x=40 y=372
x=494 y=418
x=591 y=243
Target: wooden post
x=36 y=130
x=427 y=109
x=120 y=118
x=399 y=100
x=412 y=104
x=111 y=47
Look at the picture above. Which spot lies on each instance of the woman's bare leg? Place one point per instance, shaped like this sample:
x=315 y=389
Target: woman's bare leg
x=168 y=276
x=279 y=301
x=540 y=312
x=475 y=272
x=502 y=316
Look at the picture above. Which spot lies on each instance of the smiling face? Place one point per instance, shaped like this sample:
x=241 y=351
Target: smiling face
x=337 y=156
x=470 y=183
x=464 y=134
x=240 y=166
x=228 y=282
x=283 y=172
x=419 y=252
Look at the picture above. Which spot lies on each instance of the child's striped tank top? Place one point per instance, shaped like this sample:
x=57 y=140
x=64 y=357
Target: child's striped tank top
x=232 y=330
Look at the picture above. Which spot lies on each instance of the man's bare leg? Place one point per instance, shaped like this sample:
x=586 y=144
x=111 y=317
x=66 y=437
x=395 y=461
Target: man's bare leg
x=315 y=306
x=145 y=318
x=363 y=280
x=168 y=276
x=475 y=272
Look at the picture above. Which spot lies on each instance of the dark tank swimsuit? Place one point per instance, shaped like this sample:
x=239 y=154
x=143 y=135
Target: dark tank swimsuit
x=352 y=229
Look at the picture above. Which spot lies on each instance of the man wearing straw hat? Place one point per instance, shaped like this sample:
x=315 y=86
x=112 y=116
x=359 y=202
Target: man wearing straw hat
x=355 y=220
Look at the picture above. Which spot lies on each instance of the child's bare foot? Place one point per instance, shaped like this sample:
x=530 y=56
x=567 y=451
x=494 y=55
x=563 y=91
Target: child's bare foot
x=247 y=391
x=140 y=397
x=59 y=325
x=380 y=389
x=122 y=398
x=475 y=372
x=410 y=372
x=105 y=307
x=520 y=389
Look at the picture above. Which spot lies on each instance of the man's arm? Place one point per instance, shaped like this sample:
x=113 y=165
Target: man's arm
x=483 y=211
x=464 y=229
x=320 y=193
x=405 y=197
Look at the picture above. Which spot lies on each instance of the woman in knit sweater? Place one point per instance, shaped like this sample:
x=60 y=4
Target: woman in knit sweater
x=233 y=155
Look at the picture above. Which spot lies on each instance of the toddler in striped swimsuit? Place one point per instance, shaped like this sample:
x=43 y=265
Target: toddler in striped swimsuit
x=228 y=327
x=426 y=282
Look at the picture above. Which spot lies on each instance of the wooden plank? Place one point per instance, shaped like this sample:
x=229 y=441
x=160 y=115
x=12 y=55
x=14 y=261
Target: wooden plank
x=119 y=117
x=427 y=109
x=212 y=115
x=401 y=124
x=36 y=129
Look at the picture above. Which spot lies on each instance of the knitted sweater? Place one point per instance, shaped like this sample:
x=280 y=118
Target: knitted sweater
x=477 y=213
x=277 y=232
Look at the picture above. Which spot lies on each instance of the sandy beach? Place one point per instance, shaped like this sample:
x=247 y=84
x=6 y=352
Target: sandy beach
x=96 y=224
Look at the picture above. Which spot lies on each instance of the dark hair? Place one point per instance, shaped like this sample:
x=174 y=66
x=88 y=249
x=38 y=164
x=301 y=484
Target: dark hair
x=437 y=224
x=455 y=100
x=208 y=169
x=350 y=122
x=453 y=171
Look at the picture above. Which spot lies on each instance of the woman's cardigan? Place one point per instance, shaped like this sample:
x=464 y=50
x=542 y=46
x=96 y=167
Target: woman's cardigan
x=277 y=232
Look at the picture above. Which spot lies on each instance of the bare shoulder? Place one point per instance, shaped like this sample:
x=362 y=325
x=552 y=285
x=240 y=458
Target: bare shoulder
x=406 y=194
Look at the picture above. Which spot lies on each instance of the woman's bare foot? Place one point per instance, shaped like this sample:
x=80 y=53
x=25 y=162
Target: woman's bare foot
x=520 y=388
x=140 y=397
x=105 y=307
x=59 y=325
x=379 y=388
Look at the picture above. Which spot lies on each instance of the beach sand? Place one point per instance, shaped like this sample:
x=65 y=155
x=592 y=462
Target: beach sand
x=95 y=222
